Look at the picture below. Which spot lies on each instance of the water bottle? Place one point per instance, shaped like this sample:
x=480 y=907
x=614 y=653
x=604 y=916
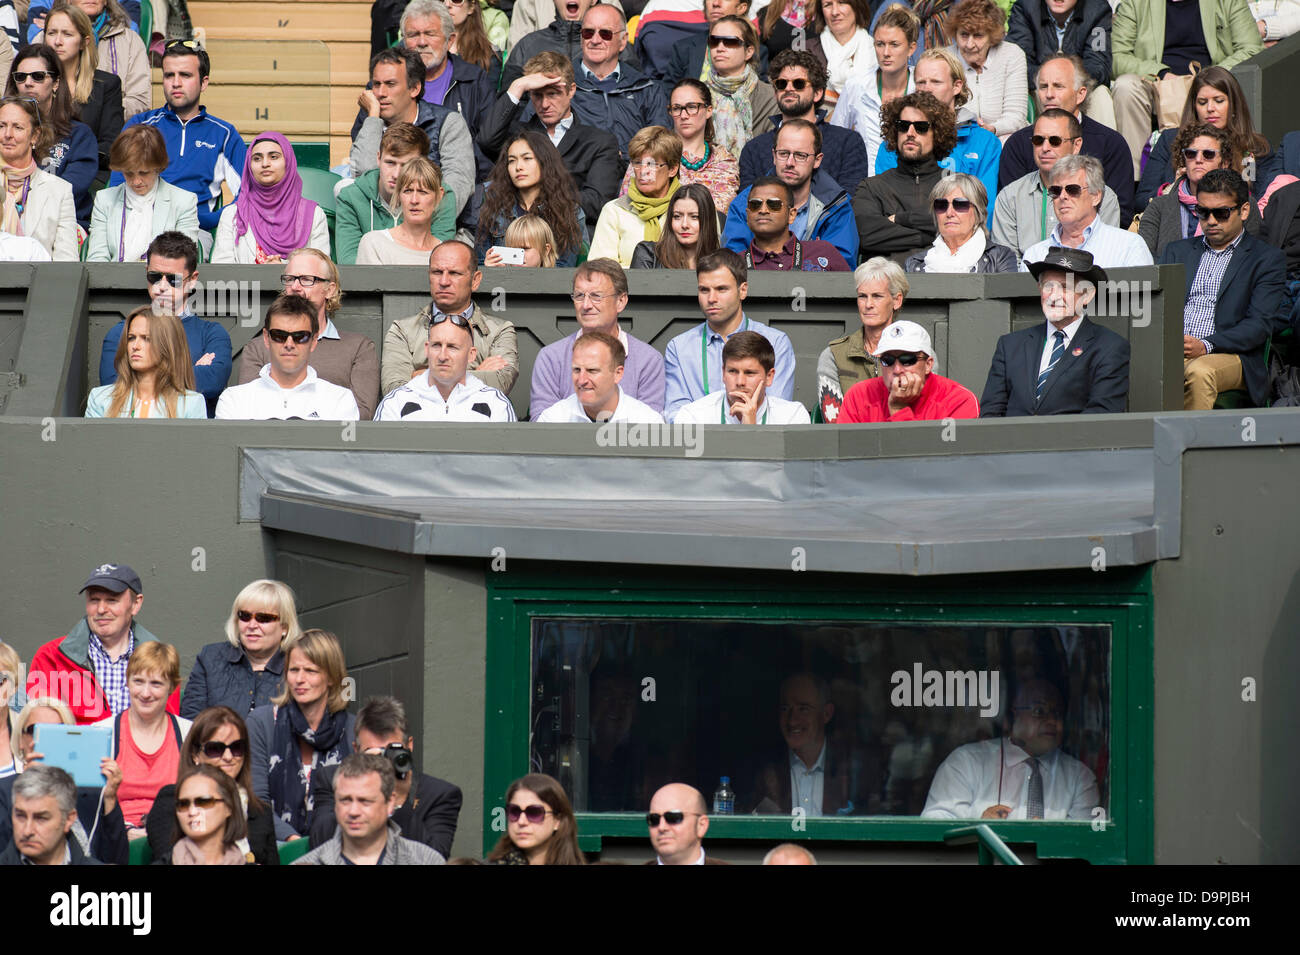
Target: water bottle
x=724 y=800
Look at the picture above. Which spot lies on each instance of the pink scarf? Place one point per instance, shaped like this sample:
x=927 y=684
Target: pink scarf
x=1189 y=202
x=278 y=215
x=185 y=852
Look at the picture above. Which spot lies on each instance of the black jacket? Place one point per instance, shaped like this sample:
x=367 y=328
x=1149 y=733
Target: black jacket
x=1087 y=35
x=11 y=855
x=108 y=844
x=1091 y=377
x=429 y=815
x=1282 y=225
x=590 y=154
x=103 y=114
x=1159 y=170
x=1250 y=306
x=844 y=154
x=1099 y=141
x=904 y=193
x=160 y=826
x=996 y=258
x=222 y=676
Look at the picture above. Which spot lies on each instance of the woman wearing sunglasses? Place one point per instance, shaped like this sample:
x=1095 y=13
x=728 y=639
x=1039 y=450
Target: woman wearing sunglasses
x=740 y=99
x=218 y=741
x=154 y=376
x=691 y=231
x=865 y=92
x=306 y=727
x=1172 y=214
x=270 y=218
x=481 y=32
x=244 y=671
x=960 y=208
x=210 y=825
x=540 y=826
x=418 y=193
x=656 y=155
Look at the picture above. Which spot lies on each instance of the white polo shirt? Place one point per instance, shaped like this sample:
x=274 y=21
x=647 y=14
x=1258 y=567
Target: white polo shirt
x=420 y=400
x=629 y=409
x=262 y=399
x=773 y=410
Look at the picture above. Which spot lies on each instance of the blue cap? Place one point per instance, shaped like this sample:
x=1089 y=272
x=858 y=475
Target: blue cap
x=113 y=577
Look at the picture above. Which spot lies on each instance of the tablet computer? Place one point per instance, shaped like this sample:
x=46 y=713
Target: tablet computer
x=75 y=749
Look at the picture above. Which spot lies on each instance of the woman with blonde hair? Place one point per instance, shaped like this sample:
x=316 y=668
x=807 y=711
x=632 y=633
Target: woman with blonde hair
x=155 y=378
x=119 y=47
x=96 y=93
x=244 y=671
x=306 y=728
x=417 y=193
x=10 y=668
x=531 y=233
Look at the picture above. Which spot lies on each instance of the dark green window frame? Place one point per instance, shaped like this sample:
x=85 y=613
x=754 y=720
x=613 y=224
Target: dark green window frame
x=1120 y=598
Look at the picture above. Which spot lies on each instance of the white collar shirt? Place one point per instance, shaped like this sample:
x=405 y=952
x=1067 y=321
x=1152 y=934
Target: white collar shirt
x=470 y=401
x=263 y=399
x=1070 y=331
x=628 y=409
x=773 y=410
x=808 y=783
x=978 y=776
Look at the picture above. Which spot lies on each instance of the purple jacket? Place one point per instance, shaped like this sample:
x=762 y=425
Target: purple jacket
x=643 y=375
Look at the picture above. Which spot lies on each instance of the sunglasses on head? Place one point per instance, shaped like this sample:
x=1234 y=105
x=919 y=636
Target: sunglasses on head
x=798 y=85
x=534 y=814
x=958 y=205
x=37 y=76
x=247 y=615
x=174 y=280
x=214 y=749
x=280 y=336
x=907 y=360
x=1073 y=190
x=773 y=204
x=1209 y=155
x=202 y=802
x=1052 y=141
x=730 y=42
x=589 y=32
x=458 y=319
x=673 y=817
x=1220 y=213
x=922 y=126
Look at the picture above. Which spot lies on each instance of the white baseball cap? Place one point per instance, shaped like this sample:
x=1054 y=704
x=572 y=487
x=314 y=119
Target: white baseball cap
x=904 y=337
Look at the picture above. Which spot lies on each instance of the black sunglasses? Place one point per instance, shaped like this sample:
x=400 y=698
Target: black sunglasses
x=39 y=76
x=673 y=817
x=773 y=204
x=958 y=205
x=730 y=42
x=175 y=280
x=280 y=336
x=797 y=85
x=589 y=32
x=1054 y=141
x=202 y=802
x=247 y=615
x=922 y=126
x=213 y=749
x=1073 y=190
x=907 y=361
x=534 y=814
x=1220 y=213
x=1209 y=155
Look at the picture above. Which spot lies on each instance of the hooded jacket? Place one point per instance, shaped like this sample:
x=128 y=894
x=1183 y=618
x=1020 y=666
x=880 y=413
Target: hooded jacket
x=359 y=210
x=830 y=217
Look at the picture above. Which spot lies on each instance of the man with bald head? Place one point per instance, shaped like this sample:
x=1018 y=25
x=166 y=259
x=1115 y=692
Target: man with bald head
x=1020 y=775
x=787 y=853
x=678 y=819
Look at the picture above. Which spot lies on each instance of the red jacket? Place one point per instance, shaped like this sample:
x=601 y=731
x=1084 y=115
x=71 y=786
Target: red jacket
x=61 y=669
x=940 y=398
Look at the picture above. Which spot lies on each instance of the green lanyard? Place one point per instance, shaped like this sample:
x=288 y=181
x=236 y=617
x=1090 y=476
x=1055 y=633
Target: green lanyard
x=723 y=410
x=704 y=350
x=1044 y=219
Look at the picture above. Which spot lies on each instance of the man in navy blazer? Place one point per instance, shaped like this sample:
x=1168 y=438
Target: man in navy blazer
x=1067 y=364
x=1236 y=293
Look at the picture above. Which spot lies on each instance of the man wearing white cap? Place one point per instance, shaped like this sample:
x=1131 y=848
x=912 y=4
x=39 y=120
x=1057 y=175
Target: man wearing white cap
x=906 y=390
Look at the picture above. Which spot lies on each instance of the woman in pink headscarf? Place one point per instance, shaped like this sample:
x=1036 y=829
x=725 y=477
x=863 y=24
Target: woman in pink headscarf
x=270 y=218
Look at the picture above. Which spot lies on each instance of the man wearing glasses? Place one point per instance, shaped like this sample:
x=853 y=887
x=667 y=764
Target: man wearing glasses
x=288 y=387
x=1235 y=296
x=599 y=296
x=771 y=211
x=821 y=209
x=1077 y=186
x=612 y=95
x=538 y=26
x=906 y=389
x=347 y=359
x=1021 y=775
x=172 y=274
x=678 y=819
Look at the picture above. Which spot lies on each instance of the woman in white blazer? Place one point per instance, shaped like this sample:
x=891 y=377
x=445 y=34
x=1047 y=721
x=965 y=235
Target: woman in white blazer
x=36 y=204
x=270 y=218
x=130 y=216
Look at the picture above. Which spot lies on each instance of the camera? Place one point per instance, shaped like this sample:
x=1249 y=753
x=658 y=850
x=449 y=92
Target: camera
x=402 y=759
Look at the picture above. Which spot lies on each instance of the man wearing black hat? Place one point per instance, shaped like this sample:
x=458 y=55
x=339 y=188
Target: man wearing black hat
x=1068 y=365
x=87 y=667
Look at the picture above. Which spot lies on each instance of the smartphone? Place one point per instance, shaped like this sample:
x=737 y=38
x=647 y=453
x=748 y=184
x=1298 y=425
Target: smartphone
x=75 y=749
x=509 y=256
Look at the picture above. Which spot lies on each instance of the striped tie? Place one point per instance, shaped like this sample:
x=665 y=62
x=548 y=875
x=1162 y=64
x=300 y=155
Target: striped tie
x=1058 y=351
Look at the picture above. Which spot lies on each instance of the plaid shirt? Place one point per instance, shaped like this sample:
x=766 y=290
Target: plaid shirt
x=1203 y=297
x=112 y=673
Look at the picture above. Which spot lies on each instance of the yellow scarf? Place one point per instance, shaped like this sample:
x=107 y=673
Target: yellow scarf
x=15 y=177
x=651 y=211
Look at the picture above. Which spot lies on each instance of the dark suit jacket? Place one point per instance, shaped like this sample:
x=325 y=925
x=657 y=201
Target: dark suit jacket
x=429 y=815
x=708 y=860
x=1282 y=224
x=849 y=778
x=1251 y=303
x=1093 y=381
x=1162 y=222
x=1099 y=141
x=109 y=845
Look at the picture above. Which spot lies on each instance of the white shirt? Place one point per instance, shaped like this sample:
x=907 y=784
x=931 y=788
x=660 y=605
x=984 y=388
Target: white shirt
x=774 y=410
x=137 y=230
x=629 y=409
x=1070 y=331
x=808 y=783
x=967 y=783
x=21 y=248
x=263 y=399
x=420 y=400
x=1111 y=247
x=699 y=861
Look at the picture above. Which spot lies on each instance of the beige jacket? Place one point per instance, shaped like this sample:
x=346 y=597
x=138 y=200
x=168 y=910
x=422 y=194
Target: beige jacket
x=121 y=51
x=50 y=216
x=404 y=354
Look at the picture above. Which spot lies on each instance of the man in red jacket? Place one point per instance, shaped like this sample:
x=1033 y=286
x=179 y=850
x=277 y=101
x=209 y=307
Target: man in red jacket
x=906 y=390
x=87 y=668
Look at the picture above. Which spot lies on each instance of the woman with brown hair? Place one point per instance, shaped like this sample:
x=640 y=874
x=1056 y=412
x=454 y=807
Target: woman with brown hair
x=210 y=824
x=530 y=176
x=691 y=231
x=846 y=43
x=155 y=378
x=472 y=41
x=129 y=216
x=540 y=825
x=741 y=101
x=996 y=71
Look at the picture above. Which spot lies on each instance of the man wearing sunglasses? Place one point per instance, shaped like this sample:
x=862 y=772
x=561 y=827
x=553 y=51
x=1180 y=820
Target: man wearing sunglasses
x=799 y=79
x=537 y=26
x=907 y=389
x=773 y=247
x=678 y=819
x=1077 y=185
x=172 y=274
x=1066 y=364
x=1024 y=214
x=288 y=387
x=1236 y=287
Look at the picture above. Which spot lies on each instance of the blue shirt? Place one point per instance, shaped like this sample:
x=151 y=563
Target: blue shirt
x=111 y=673
x=684 y=379
x=203 y=337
